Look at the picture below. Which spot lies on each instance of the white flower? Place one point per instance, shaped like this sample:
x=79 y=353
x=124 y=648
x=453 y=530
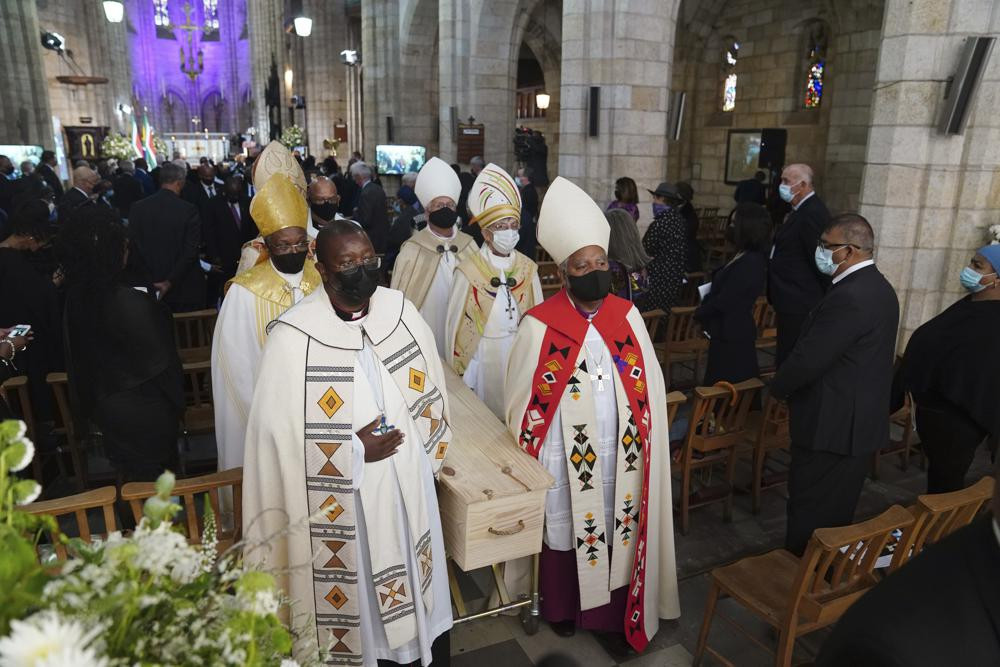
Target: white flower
x=29 y=451
x=48 y=640
x=27 y=491
x=287 y=662
x=261 y=603
x=161 y=551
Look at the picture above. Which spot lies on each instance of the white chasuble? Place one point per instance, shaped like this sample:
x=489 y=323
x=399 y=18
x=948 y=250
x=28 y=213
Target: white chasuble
x=357 y=544
x=588 y=406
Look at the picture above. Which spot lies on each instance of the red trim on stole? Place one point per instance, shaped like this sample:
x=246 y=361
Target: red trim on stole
x=564 y=336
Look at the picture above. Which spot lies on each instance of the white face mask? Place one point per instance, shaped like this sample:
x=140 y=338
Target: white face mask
x=505 y=240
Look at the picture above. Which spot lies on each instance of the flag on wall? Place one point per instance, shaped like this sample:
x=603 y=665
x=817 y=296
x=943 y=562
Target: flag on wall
x=136 y=140
x=147 y=141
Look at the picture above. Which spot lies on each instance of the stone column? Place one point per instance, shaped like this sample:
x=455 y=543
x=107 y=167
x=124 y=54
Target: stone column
x=325 y=76
x=108 y=45
x=930 y=197
x=628 y=54
x=24 y=104
x=265 y=20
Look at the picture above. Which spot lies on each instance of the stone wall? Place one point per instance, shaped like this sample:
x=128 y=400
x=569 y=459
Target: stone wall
x=929 y=196
x=24 y=104
x=771 y=69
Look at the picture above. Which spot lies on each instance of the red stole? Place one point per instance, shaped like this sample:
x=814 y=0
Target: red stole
x=566 y=329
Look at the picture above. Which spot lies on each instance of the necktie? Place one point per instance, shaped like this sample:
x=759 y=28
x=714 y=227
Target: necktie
x=236 y=215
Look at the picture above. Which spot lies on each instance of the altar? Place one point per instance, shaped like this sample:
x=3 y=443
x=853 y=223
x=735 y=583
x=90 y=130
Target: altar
x=192 y=146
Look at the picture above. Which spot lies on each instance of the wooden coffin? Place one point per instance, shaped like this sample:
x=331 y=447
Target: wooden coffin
x=491 y=494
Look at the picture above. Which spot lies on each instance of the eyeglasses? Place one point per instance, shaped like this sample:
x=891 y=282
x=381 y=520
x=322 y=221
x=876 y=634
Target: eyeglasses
x=329 y=200
x=835 y=246
x=351 y=267
x=286 y=248
x=504 y=226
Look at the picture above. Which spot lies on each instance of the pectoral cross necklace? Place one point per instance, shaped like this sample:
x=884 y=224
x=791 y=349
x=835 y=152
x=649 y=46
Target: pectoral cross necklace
x=597 y=368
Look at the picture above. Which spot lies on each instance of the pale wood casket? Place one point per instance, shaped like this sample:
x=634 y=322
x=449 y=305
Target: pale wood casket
x=491 y=493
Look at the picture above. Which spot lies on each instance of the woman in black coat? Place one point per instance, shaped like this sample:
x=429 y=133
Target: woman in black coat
x=726 y=312
x=952 y=370
x=124 y=370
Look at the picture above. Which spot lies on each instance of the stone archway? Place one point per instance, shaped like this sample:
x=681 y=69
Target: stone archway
x=539 y=31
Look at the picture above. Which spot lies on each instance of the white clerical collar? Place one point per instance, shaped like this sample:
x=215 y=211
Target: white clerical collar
x=804 y=199
x=293 y=279
x=856 y=267
x=502 y=263
x=314 y=316
x=996 y=529
x=454 y=233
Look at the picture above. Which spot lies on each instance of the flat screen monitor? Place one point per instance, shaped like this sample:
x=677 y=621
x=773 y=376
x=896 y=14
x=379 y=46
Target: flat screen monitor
x=392 y=159
x=20 y=153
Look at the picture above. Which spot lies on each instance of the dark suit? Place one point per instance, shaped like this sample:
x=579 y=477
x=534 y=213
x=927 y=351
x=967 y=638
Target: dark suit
x=194 y=192
x=166 y=235
x=226 y=233
x=527 y=244
x=726 y=315
x=372 y=216
x=128 y=190
x=146 y=181
x=795 y=285
x=838 y=382
x=51 y=178
x=72 y=200
x=941 y=608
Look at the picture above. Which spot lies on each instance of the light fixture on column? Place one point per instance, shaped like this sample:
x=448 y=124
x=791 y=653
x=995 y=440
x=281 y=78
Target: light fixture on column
x=542 y=100
x=114 y=11
x=125 y=108
x=297 y=20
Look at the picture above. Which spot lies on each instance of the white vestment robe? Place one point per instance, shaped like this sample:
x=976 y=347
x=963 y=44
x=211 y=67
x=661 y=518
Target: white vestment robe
x=275 y=502
x=236 y=351
x=488 y=365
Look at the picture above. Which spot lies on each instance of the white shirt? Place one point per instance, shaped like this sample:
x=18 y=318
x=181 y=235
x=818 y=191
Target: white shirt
x=796 y=207
x=856 y=267
x=435 y=306
x=209 y=189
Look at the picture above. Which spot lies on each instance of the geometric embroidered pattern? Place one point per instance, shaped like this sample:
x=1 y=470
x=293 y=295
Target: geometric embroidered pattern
x=417 y=379
x=340 y=646
x=336 y=597
x=331 y=508
x=330 y=402
x=631 y=444
x=591 y=541
x=625 y=523
x=583 y=457
x=334 y=546
x=392 y=593
x=329 y=449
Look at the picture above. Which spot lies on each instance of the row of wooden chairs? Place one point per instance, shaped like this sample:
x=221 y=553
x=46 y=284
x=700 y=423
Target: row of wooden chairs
x=797 y=596
x=135 y=494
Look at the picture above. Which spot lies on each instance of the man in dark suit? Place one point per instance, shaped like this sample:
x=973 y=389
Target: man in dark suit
x=529 y=212
x=166 y=235
x=142 y=175
x=85 y=180
x=371 y=213
x=229 y=226
x=941 y=608
x=47 y=169
x=794 y=285
x=837 y=382
x=127 y=188
x=201 y=190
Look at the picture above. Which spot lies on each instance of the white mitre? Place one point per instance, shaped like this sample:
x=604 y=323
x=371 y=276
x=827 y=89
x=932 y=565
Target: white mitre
x=277 y=159
x=570 y=220
x=437 y=179
x=494 y=196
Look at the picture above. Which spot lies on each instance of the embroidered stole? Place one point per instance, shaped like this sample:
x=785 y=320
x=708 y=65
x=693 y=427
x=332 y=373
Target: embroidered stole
x=329 y=473
x=561 y=381
x=479 y=301
x=414 y=276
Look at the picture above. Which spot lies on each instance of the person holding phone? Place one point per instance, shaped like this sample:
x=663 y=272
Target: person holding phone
x=10 y=345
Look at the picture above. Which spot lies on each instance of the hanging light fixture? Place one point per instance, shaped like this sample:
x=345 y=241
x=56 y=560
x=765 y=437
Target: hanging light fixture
x=303 y=26
x=114 y=11
x=297 y=20
x=542 y=99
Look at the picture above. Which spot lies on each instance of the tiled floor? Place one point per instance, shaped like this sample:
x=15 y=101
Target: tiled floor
x=502 y=642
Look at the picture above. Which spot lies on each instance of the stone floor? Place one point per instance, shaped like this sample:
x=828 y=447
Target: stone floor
x=502 y=641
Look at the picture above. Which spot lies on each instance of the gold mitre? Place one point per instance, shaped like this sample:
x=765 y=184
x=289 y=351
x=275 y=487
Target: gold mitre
x=278 y=205
x=277 y=159
x=494 y=196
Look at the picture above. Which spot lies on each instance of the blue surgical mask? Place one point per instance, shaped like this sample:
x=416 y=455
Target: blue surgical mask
x=970 y=279
x=824 y=260
x=785 y=192
x=660 y=208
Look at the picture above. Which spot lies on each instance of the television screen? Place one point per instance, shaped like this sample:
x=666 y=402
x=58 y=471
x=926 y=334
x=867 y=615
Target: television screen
x=399 y=159
x=20 y=153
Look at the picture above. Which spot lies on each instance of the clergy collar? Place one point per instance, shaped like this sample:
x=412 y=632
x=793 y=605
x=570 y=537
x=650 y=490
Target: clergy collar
x=454 y=233
x=498 y=262
x=293 y=279
x=316 y=317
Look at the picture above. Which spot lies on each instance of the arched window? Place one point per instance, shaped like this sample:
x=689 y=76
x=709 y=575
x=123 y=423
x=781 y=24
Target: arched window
x=730 y=57
x=161 y=18
x=210 y=9
x=815 y=64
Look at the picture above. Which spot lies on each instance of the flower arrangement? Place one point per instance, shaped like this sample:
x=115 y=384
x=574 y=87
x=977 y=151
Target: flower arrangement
x=160 y=146
x=117 y=146
x=149 y=598
x=994 y=234
x=292 y=136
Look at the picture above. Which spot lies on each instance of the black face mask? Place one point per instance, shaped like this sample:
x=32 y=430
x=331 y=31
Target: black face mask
x=356 y=285
x=290 y=263
x=592 y=286
x=443 y=218
x=233 y=200
x=208 y=183
x=325 y=212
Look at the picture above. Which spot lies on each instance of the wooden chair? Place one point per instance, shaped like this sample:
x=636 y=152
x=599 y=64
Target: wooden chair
x=199 y=410
x=902 y=447
x=685 y=343
x=193 y=525
x=937 y=515
x=674 y=401
x=77 y=505
x=767 y=326
x=718 y=425
x=66 y=428
x=194 y=332
x=541 y=256
x=769 y=430
x=689 y=290
x=14 y=392
x=797 y=596
x=656 y=327
x=548 y=276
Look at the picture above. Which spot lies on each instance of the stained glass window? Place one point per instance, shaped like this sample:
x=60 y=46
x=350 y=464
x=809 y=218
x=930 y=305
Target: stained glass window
x=211 y=8
x=161 y=15
x=729 y=87
x=814 y=85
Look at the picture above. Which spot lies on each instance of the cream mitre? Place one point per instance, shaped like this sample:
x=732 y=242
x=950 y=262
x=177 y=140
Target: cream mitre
x=570 y=220
x=494 y=196
x=277 y=159
x=437 y=179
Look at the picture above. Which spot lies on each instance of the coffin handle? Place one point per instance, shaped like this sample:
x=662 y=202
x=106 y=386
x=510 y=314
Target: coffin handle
x=509 y=531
